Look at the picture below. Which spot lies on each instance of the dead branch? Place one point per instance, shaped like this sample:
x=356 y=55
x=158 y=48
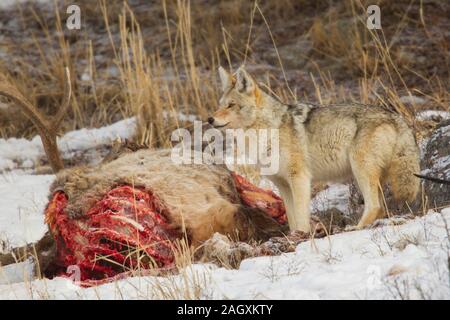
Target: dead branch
x=47 y=128
x=42 y=252
x=432 y=179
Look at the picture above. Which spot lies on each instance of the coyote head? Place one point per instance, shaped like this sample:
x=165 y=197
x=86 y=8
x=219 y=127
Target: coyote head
x=240 y=101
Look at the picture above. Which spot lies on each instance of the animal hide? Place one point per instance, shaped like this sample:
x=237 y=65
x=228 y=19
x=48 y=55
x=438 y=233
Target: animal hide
x=131 y=212
x=199 y=199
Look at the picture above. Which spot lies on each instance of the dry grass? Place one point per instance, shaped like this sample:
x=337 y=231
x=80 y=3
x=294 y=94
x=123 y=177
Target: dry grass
x=155 y=61
x=383 y=71
x=181 y=282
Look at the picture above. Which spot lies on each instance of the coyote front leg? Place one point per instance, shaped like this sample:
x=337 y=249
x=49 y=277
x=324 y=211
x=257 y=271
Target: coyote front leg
x=299 y=219
x=286 y=194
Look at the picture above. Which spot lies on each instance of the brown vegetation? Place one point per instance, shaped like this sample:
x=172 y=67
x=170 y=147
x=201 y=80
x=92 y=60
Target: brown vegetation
x=156 y=59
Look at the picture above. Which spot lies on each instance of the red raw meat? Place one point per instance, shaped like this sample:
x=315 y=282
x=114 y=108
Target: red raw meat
x=104 y=244
x=265 y=200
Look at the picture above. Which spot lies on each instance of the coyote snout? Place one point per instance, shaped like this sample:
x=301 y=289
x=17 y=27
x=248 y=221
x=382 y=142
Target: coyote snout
x=325 y=143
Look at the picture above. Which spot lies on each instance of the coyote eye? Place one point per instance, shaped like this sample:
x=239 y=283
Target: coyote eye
x=231 y=105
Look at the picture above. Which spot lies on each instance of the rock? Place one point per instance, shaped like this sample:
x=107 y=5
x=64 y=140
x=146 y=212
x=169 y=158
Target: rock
x=433 y=115
x=436 y=163
x=387 y=200
x=333 y=217
x=332 y=206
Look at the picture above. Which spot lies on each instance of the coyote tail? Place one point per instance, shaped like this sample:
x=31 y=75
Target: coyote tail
x=404 y=165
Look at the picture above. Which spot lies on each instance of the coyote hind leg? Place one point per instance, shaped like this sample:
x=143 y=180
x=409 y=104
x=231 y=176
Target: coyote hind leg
x=368 y=179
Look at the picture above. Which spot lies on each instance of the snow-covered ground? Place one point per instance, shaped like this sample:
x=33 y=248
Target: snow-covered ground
x=407 y=261
x=23 y=194
x=23 y=153
x=22 y=203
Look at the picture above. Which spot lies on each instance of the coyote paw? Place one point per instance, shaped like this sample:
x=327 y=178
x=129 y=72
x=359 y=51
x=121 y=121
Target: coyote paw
x=317 y=230
x=297 y=235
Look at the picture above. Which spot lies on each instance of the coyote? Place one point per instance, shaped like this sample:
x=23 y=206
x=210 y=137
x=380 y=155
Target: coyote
x=325 y=144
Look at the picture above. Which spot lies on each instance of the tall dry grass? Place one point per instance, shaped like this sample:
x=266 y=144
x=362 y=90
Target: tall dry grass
x=158 y=62
x=159 y=92
x=371 y=57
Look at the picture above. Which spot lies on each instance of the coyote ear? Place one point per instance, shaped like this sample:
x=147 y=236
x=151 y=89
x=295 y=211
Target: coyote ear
x=244 y=82
x=226 y=79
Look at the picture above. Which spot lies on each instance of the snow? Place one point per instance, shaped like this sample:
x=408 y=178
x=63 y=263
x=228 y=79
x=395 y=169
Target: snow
x=439 y=165
x=89 y=138
x=180 y=116
x=335 y=196
x=17 y=272
x=408 y=261
x=23 y=153
x=22 y=202
x=390 y=262
x=433 y=114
